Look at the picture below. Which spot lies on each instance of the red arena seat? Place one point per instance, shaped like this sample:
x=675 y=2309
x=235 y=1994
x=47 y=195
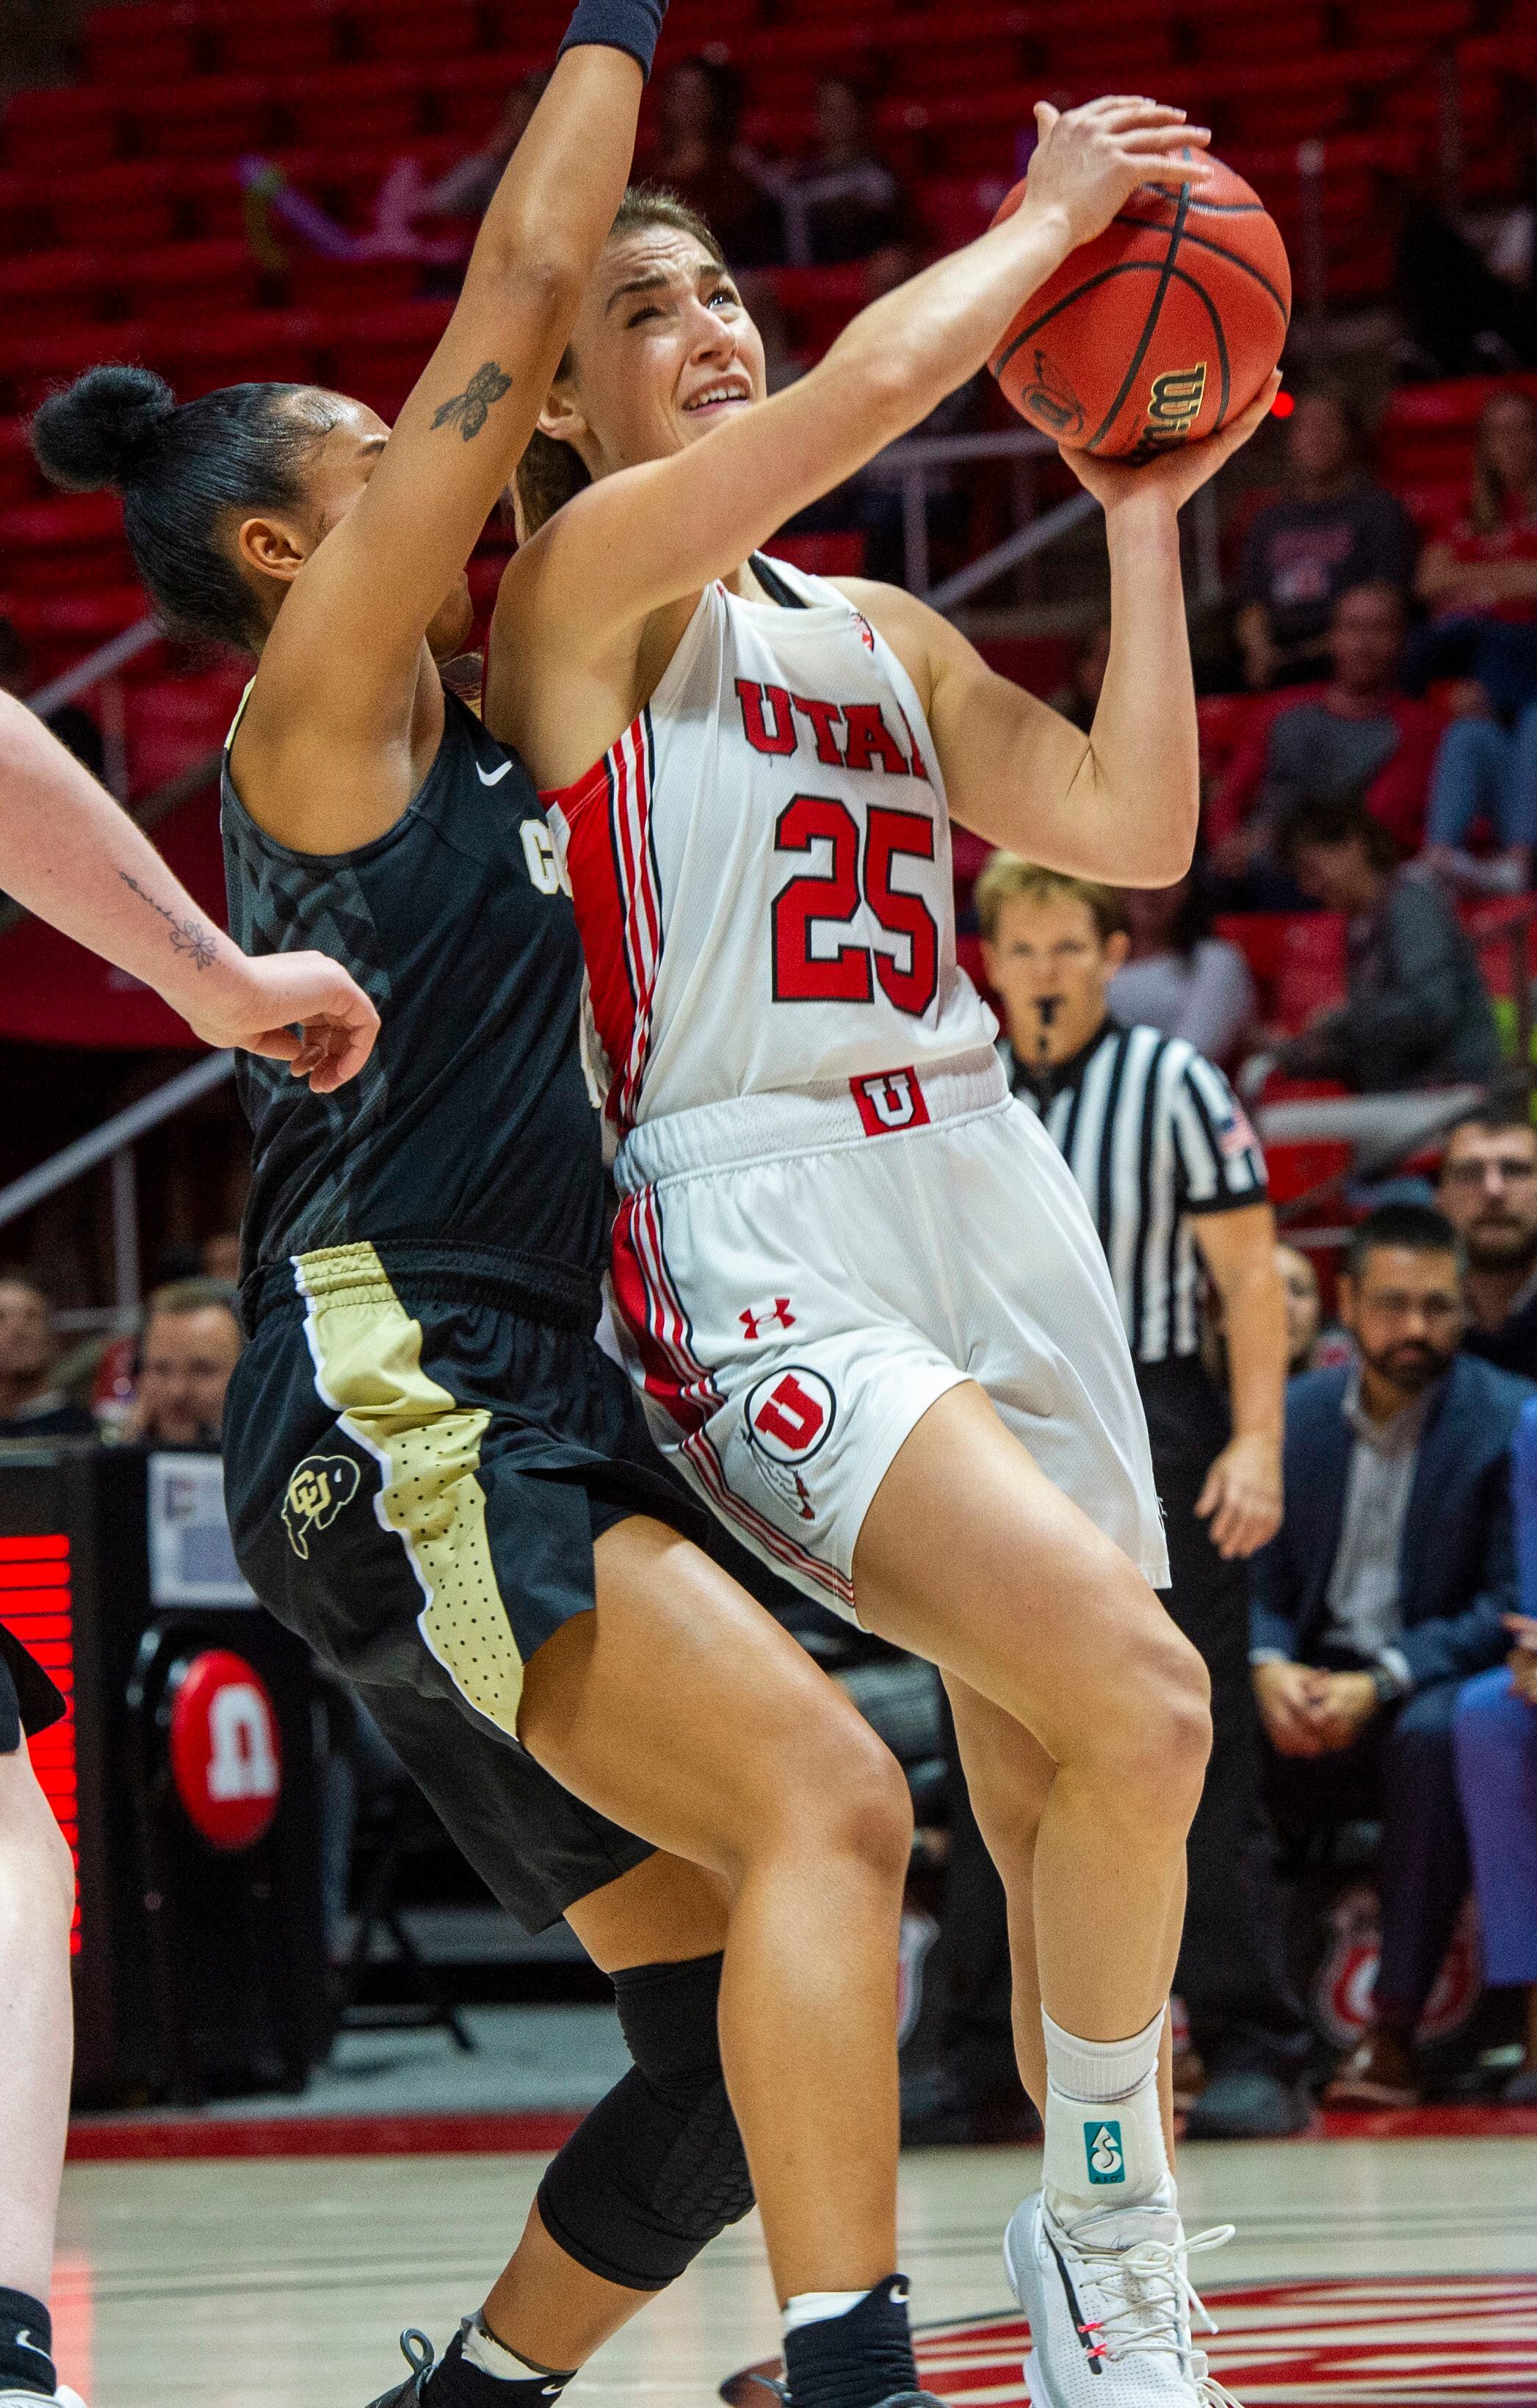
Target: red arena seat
x=63 y=130
x=70 y=540
x=349 y=105
x=132 y=203
x=262 y=347
x=282 y=38
x=154 y=42
x=191 y=276
x=214 y=117
x=51 y=288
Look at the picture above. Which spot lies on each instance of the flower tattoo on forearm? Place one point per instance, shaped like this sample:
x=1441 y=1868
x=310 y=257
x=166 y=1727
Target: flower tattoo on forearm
x=187 y=936
x=469 y=410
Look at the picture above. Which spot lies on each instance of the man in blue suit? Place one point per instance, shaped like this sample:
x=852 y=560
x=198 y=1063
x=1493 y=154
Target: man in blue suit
x=1382 y=1593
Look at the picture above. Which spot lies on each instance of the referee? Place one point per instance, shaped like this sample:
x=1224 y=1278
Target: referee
x=1174 y=1177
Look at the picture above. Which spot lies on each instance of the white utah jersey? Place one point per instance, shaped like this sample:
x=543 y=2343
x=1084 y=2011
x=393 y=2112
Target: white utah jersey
x=761 y=866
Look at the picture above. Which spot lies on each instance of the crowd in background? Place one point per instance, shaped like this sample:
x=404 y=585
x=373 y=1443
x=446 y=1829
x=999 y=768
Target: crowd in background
x=1374 y=1671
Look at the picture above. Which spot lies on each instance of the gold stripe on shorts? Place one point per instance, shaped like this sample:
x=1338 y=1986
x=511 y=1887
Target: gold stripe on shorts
x=367 y=1354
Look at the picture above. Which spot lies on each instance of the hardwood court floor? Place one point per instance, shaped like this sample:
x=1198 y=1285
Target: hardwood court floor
x=281 y=2282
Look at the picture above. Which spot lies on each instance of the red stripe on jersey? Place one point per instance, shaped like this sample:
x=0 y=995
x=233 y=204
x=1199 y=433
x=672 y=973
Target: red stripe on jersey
x=611 y=866
x=666 y=1378
x=687 y=1390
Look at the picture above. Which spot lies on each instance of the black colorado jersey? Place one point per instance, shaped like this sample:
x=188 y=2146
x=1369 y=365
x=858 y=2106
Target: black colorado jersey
x=470 y=1127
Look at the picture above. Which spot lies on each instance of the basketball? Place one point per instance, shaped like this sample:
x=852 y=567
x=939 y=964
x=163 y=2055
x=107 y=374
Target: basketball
x=1159 y=331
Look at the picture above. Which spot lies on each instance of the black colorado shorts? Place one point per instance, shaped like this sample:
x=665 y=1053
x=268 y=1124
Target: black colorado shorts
x=416 y=1474
x=29 y=1701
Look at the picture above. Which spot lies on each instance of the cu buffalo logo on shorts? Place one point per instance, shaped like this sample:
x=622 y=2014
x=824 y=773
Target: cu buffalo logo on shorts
x=317 y=1492
x=790 y=1414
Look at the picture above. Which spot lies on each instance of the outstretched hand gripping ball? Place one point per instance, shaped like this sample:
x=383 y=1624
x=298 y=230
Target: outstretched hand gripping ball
x=1159 y=331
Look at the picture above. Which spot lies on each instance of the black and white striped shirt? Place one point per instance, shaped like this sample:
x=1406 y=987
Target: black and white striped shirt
x=1154 y=1135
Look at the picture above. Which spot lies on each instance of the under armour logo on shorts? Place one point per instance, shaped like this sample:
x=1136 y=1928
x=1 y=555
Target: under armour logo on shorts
x=773 y=1313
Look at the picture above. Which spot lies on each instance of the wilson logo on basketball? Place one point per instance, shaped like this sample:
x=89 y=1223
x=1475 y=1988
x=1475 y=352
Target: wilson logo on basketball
x=226 y=1750
x=1173 y=405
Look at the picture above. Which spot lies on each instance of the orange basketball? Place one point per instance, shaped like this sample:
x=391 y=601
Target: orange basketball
x=1159 y=331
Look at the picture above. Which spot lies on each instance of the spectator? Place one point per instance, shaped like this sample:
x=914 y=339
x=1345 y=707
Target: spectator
x=1178 y=976
x=1487 y=1190
x=75 y=728
x=31 y=1406
x=1418 y=1013
x=190 y=1346
x=843 y=203
x=1385 y=1590
x=1359 y=734
x=219 y=1257
x=1336 y=529
x=1481 y=584
x=1496 y=1741
x=1174 y=1175
x=1079 y=699
x=465 y=191
x=1304 y=1309
x=704 y=163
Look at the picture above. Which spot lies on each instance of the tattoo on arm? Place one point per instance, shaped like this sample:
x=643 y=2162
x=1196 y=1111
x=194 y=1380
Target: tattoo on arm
x=187 y=936
x=469 y=410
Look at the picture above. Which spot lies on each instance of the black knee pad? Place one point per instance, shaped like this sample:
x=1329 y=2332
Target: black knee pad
x=658 y=2169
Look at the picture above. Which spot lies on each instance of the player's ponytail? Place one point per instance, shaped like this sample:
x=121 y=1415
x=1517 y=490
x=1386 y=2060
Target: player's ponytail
x=551 y=473
x=187 y=475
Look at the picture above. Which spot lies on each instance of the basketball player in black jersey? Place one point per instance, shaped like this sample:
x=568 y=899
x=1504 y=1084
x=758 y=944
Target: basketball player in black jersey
x=433 y=1472
x=70 y=855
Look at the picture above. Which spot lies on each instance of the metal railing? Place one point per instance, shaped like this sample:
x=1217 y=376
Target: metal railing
x=114 y=1142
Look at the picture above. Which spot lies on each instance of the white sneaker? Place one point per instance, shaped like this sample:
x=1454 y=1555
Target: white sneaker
x=63 y=2398
x=1109 y=2303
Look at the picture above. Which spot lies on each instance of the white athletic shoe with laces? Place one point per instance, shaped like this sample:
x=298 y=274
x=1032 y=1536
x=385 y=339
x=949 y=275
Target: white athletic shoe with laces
x=1109 y=2302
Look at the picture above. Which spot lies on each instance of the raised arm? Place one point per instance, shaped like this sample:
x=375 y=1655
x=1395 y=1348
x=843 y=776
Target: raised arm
x=652 y=535
x=351 y=629
x=1121 y=803
x=68 y=854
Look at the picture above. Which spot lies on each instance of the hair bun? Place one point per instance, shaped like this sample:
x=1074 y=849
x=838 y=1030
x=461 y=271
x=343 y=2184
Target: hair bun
x=98 y=430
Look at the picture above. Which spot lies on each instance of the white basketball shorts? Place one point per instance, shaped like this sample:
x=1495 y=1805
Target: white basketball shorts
x=799 y=1276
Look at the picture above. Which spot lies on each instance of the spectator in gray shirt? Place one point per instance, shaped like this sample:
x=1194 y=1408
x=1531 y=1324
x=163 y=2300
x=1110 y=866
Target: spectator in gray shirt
x=1418 y=1013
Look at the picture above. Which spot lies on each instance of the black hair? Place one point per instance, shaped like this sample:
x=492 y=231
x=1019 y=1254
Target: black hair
x=184 y=474
x=1414 y=1228
x=551 y=473
x=14 y=661
x=1495 y=1115
x=1332 y=820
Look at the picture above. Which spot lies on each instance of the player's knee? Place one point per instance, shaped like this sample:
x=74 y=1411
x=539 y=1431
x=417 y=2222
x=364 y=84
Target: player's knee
x=853 y=1795
x=658 y=2168
x=1169 y=1762
x=1152 y=1725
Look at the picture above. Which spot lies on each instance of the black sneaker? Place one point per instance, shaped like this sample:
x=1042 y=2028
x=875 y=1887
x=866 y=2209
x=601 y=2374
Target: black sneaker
x=420 y=2357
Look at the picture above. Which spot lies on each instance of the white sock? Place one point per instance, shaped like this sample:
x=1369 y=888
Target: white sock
x=1095 y=2159
x=816 y=2307
x=483 y=2350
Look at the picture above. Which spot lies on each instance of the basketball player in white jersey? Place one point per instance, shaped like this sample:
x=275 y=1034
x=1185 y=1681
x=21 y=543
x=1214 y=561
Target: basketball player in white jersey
x=865 y=1301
